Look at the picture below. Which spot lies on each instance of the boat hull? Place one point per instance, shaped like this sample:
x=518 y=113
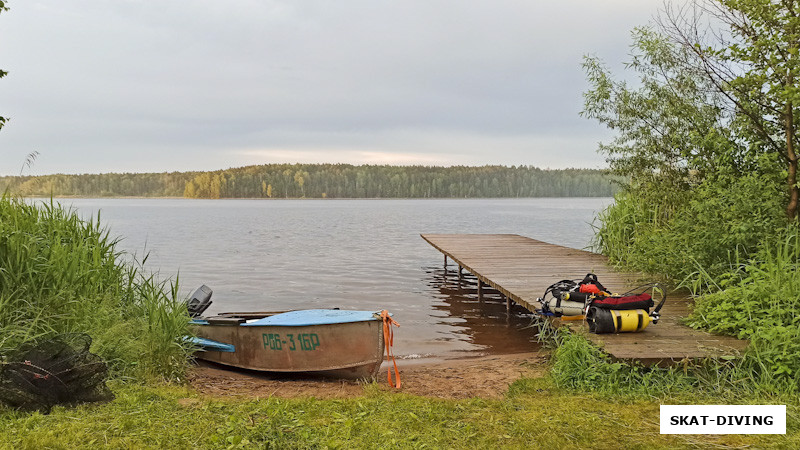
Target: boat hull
x=344 y=350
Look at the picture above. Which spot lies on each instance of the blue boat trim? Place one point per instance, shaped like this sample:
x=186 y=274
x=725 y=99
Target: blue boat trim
x=308 y=317
x=211 y=345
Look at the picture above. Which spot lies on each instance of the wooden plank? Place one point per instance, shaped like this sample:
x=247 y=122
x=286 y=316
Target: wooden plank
x=521 y=268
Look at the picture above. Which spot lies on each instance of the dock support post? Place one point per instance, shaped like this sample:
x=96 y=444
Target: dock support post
x=480 y=290
x=508 y=305
x=460 y=269
x=445 y=262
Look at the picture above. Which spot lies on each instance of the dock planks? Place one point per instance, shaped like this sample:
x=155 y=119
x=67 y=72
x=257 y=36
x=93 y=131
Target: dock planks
x=522 y=268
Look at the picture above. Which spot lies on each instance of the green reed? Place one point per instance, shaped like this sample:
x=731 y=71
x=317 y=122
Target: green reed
x=62 y=274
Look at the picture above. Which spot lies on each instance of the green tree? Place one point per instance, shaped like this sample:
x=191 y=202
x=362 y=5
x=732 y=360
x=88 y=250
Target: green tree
x=287 y=175
x=717 y=98
x=671 y=126
x=300 y=178
x=215 y=187
x=753 y=62
x=705 y=136
x=191 y=190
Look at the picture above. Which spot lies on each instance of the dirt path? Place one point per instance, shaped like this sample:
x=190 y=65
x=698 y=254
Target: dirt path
x=484 y=377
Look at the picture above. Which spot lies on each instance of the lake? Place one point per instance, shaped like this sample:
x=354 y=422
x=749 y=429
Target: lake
x=352 y=254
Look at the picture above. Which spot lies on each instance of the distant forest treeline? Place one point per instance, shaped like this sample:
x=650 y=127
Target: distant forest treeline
x=326 y=181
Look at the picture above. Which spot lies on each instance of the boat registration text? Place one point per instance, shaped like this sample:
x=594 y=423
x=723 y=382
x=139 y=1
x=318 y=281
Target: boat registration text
x=303 y=342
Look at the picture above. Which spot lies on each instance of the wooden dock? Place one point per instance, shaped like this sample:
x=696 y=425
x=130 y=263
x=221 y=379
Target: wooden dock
x=521 y=269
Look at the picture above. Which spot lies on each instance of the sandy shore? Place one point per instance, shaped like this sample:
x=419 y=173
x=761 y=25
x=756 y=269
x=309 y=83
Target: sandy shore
x=484 y=377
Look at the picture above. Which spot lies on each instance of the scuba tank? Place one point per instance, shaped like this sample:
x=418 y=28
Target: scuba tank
x=603 y=321
x=624 y=313
x=559 y=303
x=563 y=307
x=570 y=297
x=568 y=303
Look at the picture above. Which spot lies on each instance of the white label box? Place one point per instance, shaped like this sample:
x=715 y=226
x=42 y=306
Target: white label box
x=723 y=419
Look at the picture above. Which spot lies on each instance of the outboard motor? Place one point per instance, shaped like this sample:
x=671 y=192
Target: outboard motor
x=199 y=301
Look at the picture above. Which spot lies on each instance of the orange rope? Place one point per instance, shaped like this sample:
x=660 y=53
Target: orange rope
x=388 y=341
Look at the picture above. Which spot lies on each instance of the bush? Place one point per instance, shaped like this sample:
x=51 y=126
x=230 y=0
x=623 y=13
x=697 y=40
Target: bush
x=693 y=239
x=60 y=274
x=729 y=243
x=760 y=302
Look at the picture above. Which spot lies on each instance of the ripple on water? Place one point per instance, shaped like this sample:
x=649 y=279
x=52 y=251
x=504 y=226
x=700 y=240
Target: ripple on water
x=351 y=254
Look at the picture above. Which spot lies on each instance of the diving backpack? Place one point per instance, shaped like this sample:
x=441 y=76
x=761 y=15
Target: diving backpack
x=604 y=312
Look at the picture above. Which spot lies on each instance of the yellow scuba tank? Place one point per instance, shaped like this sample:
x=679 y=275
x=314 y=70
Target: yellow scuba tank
x=603 y=320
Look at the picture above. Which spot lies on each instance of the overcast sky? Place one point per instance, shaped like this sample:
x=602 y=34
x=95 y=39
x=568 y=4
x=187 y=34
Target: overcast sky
x=175 y=85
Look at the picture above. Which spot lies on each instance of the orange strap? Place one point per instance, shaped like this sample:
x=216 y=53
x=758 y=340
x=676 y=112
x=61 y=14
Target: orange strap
x=568 y=318
x=388 y=341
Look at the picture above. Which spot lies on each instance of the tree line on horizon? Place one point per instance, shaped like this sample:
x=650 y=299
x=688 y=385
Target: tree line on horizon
x=326 y=181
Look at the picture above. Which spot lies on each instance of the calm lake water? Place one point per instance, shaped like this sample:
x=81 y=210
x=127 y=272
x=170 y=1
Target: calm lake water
x=352 y=254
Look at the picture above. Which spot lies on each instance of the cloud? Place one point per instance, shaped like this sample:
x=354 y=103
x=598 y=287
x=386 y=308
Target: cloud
x=357 y=157
x=411 y=147
x=189 y=82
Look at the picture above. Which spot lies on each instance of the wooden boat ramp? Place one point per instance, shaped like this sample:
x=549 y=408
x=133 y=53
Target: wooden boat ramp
x=521 y=269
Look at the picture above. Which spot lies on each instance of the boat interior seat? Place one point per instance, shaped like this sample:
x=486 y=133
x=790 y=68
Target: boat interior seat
x=222 y=320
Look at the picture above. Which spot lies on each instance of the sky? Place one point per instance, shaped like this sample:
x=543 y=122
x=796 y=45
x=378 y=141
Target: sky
x=177 y=85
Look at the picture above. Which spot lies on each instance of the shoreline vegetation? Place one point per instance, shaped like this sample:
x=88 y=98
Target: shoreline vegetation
x=706 y=138
x=45 y=197
x=60 y=274
x=273 y=181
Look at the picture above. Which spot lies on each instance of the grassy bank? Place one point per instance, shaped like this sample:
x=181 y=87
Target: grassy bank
x=743 y=273
x=534 y=414
x=61 y=274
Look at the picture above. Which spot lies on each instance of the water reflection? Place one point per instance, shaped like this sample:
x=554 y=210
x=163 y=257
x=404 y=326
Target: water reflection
x=486 y=323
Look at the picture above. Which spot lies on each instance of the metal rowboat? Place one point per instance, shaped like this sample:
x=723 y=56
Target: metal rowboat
x=328 y=342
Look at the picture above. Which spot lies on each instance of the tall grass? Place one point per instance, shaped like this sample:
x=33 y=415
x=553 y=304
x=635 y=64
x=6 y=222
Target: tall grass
x=735 y=251
x=632 y=231
x=694 y=238
x=61 y=274
x=578 y=364
x=760 y=301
